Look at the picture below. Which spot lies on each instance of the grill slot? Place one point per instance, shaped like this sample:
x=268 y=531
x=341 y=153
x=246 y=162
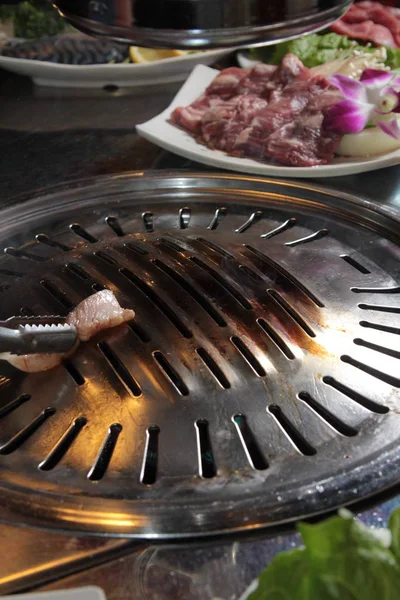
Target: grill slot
x=356 y=396
x=254 y=218
x=385 y=377
x=56 y=293
x=298 y=441
x=248 y=356
x=283 y=347
x=207 y=467
x=134 y=248
x=279 y=274
x=171 y=244
x=73 y=371
x=170 y=373
x=213 y=246
x=106 y=257
x=82 y=233
x=184 y=284
x=384 y=290
x=42 y=238
x=184 y=217
x=378 y=308
x=308 y=238
x=157 y=301
x=378 y=327
x=103 y=459
x=19 y=438
x=114 y=224
x=354 y=263
x=63 y=445
x=377 y=348
x=141 y=333
x=254 y=455
x=78 y=271
x=148 y=475
x=213 y=368
x=280 y=229
x=14 y=404
x=147 y=218
x=250 y=274
x=327 y=416
x=222 y=281
x=218 y=217
x=292 y=312
x=119 y=369
x=11 y=273
x=17 y=253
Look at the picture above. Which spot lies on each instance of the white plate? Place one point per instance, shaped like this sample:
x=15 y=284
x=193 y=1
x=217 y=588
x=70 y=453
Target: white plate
x=161 y=71
x=162 y=133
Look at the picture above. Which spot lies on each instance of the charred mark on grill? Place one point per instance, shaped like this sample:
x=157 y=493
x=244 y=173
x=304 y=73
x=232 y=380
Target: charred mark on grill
x=355 y=396
x=213 y=367
x=327 y=416
x=63 y=445
x=254 y=218
x=148 y=474
x=158 y=302
x=385 y=377
x=253 y=453
x=377 y=348
x=248 y=356
x=207 y=468
x=294 y=435
x=103 y=459
x=148 y=221
x=115 y=225
x=24 y=434
x=56 y=293
x=379 y=308
x=218 y=217
x=82 y=233
x=278 y=273
x=276 y=338
x=18 y=253
x=383 y=290
x=185 y=214
x=14 y=404
x=120 y=369
x=169 y=372
x=308 y=238
x=280 y=229
x=184 y=284
x=42 y=238
x=292 y=312
x=355 y=264
x=379 y=327
x=222 y=281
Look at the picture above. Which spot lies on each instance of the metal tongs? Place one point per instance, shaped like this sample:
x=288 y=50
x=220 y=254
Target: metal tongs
x=37 y=335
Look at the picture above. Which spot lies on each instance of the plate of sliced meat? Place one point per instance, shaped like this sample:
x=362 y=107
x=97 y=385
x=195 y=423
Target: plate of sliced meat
x=265 y=120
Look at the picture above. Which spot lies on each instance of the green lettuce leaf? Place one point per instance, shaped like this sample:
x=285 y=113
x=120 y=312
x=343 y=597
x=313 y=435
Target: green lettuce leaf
x=341 y=560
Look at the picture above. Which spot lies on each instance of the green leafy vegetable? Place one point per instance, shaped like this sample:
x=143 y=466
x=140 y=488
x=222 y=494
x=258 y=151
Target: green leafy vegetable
x=342 y=559
x=33 y=19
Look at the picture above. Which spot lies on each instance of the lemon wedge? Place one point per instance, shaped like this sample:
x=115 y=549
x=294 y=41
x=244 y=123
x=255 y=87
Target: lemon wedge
x=145 y=55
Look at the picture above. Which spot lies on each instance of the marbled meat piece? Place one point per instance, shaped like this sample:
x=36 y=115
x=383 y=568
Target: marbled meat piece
x=371 y=21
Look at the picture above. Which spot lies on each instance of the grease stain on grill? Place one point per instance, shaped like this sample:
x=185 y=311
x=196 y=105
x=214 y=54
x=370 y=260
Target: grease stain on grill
x=115 y=225
x=373 y=290
x=24 y=434
x=63 y=445
x=355 y=264
x=184 y=217
x=169 y=372
x=148 y=221
x=43 y=238
x=377 y=348
x=120 y=369
x=158 y=302
x=385 y=377
x=248 y=356
x=327 y=416
x=292 y=312
x=184 y=284
x=379 y=308
x=355 y=396
x=308 y=238
x=207 y=468
x=148 y=473
x=213 y=367
x=56 y=293
x=379 y=327
x=18 y=253
x=295 y=437
x=218 y=217
x=280 y=229
x=252 y=220
x=82 y=233
x=103 y=459
x=275 y=337
x=253 y=453
x=14 y=404
x=222 y=281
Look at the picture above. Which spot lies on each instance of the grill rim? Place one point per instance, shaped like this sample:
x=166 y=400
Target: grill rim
x=47 y=507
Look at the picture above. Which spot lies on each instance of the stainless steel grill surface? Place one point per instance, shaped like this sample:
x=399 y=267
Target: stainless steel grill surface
x=257 y=384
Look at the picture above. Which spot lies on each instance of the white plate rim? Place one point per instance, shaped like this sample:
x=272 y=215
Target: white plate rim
x=181 y=143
